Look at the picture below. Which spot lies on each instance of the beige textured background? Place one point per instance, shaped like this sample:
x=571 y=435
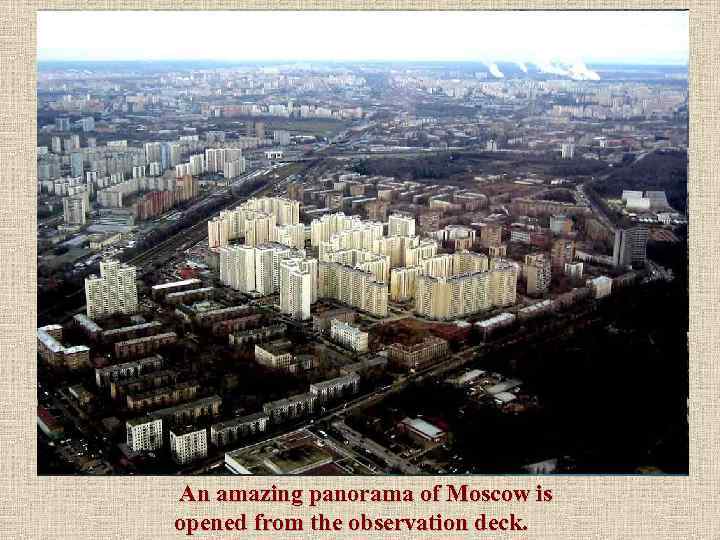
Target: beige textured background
x=144 y=508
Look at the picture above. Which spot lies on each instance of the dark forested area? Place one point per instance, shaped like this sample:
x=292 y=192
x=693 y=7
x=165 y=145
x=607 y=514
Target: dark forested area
x=662 y=170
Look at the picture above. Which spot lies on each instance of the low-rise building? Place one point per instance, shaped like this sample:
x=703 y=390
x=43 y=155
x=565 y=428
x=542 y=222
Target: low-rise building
x=162 y=290
x=158 y=397
x=418 y=355
x=350 y=337
x=55 y=353
x=322 y=321
x=292 y=407
x=190 y=412
x=257 y=335
x=231 y=431
x=600 y=286
x=278 y=355
x=143 y=345
x=126 y=370
x=336 y=388
x=423 y=431
x=489 y=326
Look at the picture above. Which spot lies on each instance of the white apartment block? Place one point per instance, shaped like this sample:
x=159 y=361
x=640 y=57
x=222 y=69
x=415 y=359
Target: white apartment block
x=144 y=434
x=258 y=227
x=257 y=268
x=215 y=160
x=233 y=169
x=237 y=267
x=403 y=282
x=298 y=287
x=399 y=225
x=423 y=250
x=323 y=228
x=188 y=445
x=290 y=235
x=454 y=297
x=348 y=336
x=115 y=291
x=503 y=282
x=353 y=287
x=378 y=265
x=255 y=220
x=197 y=165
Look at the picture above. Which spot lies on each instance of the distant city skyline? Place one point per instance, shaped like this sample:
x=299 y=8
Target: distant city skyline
x=542 y=38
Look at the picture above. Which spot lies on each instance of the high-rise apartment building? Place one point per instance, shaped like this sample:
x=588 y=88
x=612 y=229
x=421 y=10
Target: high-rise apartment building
x=257 y=268
x=289 y=235
x=403 y=282
x=537 y=273
x=74 y=210
x=258 y=227
x=254 y=220
x=560 y=224
x=237 y=267
x=353 y=287
x=297 y=287
x=561 y=253
x=114 y=291
x=233 y=169
x=215 y=160
x=188 y=444
x=144 y=434
x=452 y=297
x=491 y=235
x=630 y=248
x=76 y=164
x=197 y=164
x=400 y=225
x=323 y=228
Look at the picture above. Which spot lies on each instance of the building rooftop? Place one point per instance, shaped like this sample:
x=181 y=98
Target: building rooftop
x=134 y=363
x=291 y=400
x=293 y=453
x=538 y=306
x=202 y=402
x=239 y=421
x=140 y=420
x=345 y=379
x=48 y=341
x=131 y=328
x=497 y=319
x=179 y=431
x=426 y=428
x=503 y=386
x=173 y=284
x=87 y=323
x=147 y=338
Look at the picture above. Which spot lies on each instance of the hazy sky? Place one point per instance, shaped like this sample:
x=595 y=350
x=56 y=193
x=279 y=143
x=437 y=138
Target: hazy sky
x=590 y=36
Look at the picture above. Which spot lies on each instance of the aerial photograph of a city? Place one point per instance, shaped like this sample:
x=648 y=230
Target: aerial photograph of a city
x=362 y=243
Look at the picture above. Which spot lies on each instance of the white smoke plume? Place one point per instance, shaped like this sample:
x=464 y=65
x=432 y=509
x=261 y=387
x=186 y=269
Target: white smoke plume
x=580 y=72
x=577 y=70
x=495 y=71
x=550 y=68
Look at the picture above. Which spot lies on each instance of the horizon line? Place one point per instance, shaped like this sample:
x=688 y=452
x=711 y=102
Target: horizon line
x=668 y=63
